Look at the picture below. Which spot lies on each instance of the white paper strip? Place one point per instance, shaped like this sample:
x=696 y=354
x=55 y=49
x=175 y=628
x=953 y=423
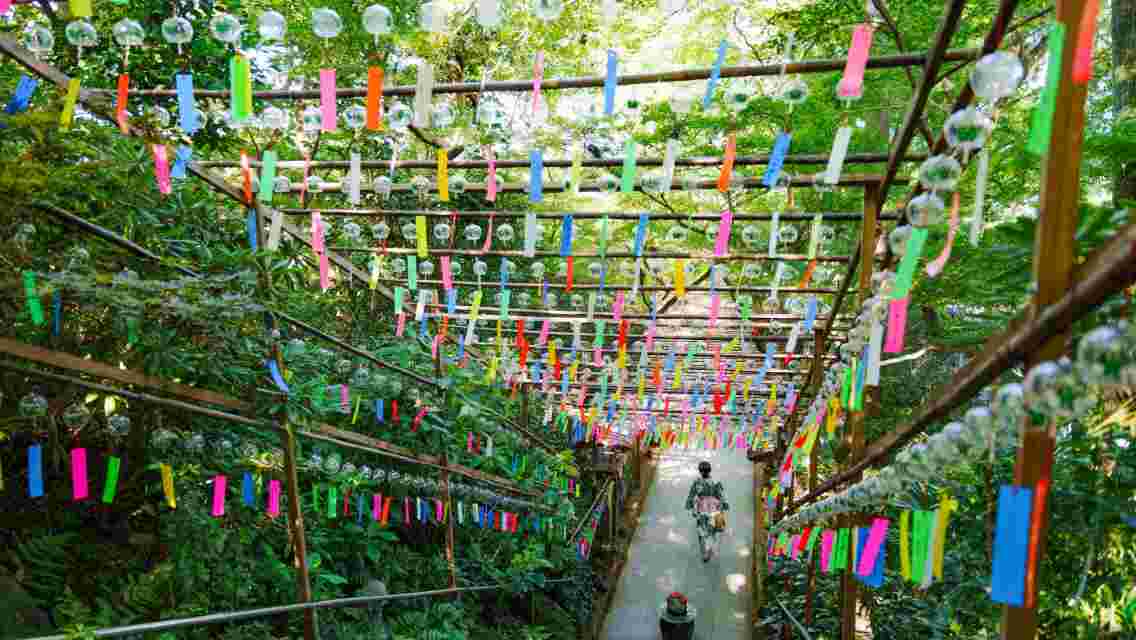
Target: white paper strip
x=794 y=336
x=669 y=164
x=875 y=345
x=774 y=226
x=980 y=195
x=591 y=305
x=354 y=177
x=469 y=335
x=488 y=13
x=635 y=284
x=531 y=233
x=274 y=230
x=576 y=326
x=836 y=158
x=610 y=12
x=423 y=95
x=421 y=306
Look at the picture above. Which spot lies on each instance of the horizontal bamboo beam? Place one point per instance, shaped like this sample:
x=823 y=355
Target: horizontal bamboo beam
x=588 y=82
x=566 y=163
x=788 y=216
x=558 y=286
x=1107 y=272
x=611 y=255
x=755 y=184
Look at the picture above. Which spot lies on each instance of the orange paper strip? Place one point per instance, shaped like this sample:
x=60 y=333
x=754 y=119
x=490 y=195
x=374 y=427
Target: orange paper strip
x=727 y=165
x=375 y=98
x=120 y=103
x=808 y=277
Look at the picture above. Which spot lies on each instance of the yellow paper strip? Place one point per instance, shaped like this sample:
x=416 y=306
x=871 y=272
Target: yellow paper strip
x=168 y=485
x=420 y=235
x=443 y=176
x=905 y=545
x=72 y=96
x=680 y=278
x=80 y=8
x=946 y=505
x=374 y=283
x=622 y=358
x=475 y=306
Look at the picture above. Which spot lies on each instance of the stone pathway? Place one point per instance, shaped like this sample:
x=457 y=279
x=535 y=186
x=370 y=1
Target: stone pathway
x=664 y=554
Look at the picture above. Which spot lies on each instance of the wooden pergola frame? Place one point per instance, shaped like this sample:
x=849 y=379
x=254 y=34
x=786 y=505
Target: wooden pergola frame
x=1059 y=300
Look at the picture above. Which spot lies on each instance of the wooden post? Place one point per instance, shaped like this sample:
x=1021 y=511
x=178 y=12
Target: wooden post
x=855 y=434
x=446 y=499
x=810 y=590
x=760 y=544
x=296 y=522
x=1054 y=252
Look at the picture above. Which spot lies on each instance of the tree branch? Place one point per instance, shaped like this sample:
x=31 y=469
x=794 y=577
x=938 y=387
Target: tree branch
x=451 y=154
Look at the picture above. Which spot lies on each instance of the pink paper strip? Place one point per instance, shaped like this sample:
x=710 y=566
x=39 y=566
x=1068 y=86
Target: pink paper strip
x=722 y=242
x=793 y=546
x=650 y=335
x=488 y=236
x=491 y=176
x=376 y=506
x=79 y=474
x=5 y=5
x=871 y=548
x=897 y=325
x=438 y=509
x=327 y=99
x=447 y=275
x=715 y=306
x=162 y=168
x=617 y=307
x=401 y=324
x=317 y=232
x=538 y=77
x=826 y=540
x=935 y=267
x=434 y=346
x=406 y=509
x=219 y=496
x=273 y=498
x=852 y=84
x=596 y=359
x=344 y=397
x=542 y=339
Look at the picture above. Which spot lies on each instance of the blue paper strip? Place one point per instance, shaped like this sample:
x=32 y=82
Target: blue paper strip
x=181 y=160
x=777 y=159
x=715 y=73
x=536 y=175
x=187 y=110
x=22 y=96
x=641 y=234
x=504 y=274
x=379 y=418
x=1011 y=545
x=35 y=471
x=461 y=346
x=563 y=381
x=277 y=379
x=566 y=237
x=56 y=313
x=789 y=394
x=250 y=224
x=451 y=301
x=876 y=577
x=810 y=313
x=770 y=349
x=247 y=490
x=544 y=292
x=609 y=83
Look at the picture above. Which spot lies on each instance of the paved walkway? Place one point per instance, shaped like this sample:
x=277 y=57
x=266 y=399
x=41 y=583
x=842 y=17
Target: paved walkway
x=664 y=554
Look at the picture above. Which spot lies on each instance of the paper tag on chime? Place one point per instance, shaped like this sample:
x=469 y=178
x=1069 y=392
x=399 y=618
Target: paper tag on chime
x=187 y=109
x=851 y=86
x=776 y=159
x=609 y=83
x=837 y=155
x=328 y=117
x=794 y=336
x=1042 y=125
x=536 y=175
x=79 y=474
x=532 y=234
x=423 y=95
x=982 y=177
x=875 y=346
x=774 y=230
x=168 y=485
x=68 y=112
x=354 y=178
x=715 y=74
x=627 y=181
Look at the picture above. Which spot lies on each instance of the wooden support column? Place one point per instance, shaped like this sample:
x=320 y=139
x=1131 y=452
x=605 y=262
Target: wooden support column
x=810 y=592
x=1054 y=252
x=450 y=517
x=296 y=522
x=760 y=544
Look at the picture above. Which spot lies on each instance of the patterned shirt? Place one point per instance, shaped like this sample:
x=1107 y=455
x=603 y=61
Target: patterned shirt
x=706 y=488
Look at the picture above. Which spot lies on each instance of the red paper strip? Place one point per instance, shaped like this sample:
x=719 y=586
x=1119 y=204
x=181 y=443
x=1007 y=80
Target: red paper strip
x=120 y=103
x=897 y=325
x=1083 y=55
x=568 y=284
x=935 y=267
x=246 y=177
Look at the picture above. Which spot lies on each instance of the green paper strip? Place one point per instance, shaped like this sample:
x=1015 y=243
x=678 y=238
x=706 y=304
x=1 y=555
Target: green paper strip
x=332 y=501
x=412 y=272
x=399 y=292
x=267 y=176
x=629 y=167
x=505 y=295
x=919 y=546
x=111 y=486
x=846 y=388
x=35 y=307
x=746 y=305
x=905 y=274
x=1041 y=129
x=813 y=535
x=603 y=238
x=240 y=98
x=131 y=330
x=600 y=330
x=316 y=498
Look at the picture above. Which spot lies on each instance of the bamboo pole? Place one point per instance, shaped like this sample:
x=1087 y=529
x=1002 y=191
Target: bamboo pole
x=296 y=522
x=787 y=216
x=1054 y=255
x=524 y=86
